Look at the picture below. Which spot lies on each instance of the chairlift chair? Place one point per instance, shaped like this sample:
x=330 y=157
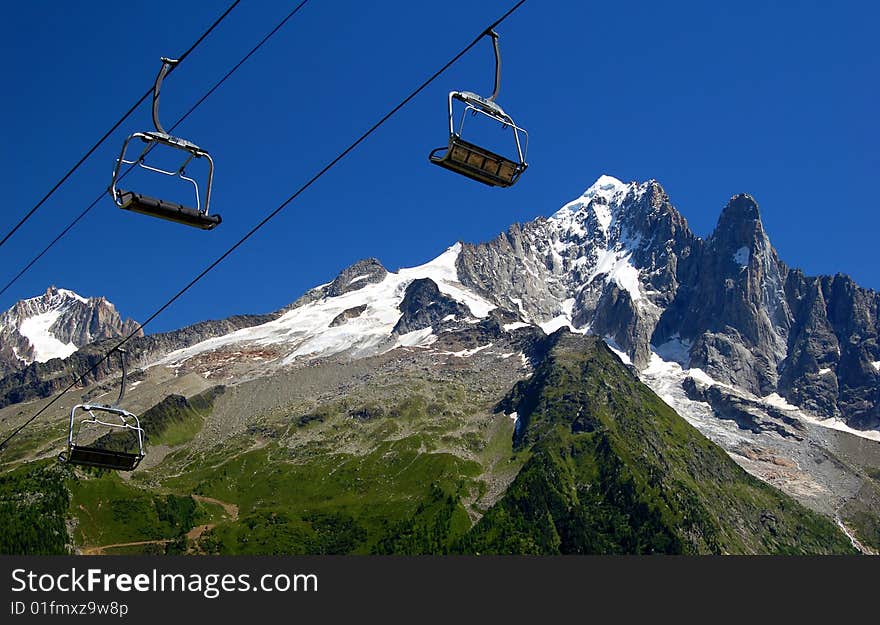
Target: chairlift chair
x=139 y=203
x=471 y=160
x=122 y=421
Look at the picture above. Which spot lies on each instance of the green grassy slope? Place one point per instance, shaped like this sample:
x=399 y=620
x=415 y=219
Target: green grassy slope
x=418 y=464
x=615 y=470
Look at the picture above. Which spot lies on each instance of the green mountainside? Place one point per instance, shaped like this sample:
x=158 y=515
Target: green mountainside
x=615 y=470
x=413 y=460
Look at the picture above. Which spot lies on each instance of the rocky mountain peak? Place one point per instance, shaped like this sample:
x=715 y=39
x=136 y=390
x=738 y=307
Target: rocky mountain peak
x=357 y=276
x=739 y=229
x=606 y=188
x=740 y=207
x=733 y=309
x=598 y=205
x=54 y=325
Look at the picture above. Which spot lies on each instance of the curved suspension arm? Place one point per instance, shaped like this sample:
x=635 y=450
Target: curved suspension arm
x=122 y=383
x=167 y=65
x=494 y=37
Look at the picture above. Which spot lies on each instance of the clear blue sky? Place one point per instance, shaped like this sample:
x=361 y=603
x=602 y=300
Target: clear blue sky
x=775 y=99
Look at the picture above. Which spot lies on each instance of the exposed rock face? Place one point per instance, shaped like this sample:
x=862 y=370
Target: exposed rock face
x=607 y=262
x=832 y=349
x=357 y=276
x=621 y=262
x=748 y=414
x=732 y=307
x=424 y=306
x=54 y=325
x=352 y=278
x=764 y=328
x=348 y=313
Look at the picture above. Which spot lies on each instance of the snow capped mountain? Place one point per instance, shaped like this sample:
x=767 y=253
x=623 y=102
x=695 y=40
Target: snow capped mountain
x=621 y=262
x=355 y=315
x=54 y=325
x=604 y=263
x=767 y=362
x=618 y=261
x=609 y=255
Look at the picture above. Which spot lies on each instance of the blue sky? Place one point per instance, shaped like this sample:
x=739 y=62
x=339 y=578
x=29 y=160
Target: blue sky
x=775 y=99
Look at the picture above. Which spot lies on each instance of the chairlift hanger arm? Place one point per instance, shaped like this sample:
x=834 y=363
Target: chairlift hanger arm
x=167 y=66
x=491 y=33
x=119 y=399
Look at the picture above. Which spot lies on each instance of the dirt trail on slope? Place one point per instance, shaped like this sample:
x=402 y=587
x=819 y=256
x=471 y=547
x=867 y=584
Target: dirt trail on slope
x=194 y=534
x=230 y=508
x=99 y=551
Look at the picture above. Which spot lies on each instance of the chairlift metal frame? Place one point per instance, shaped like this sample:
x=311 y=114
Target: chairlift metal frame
x=129 y=200
x=90 y=455
x=470 y=159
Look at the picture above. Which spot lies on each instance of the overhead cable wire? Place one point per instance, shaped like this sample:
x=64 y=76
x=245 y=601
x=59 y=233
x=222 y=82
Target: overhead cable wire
x=113 y=128
x=208 y=94
x=267 y=218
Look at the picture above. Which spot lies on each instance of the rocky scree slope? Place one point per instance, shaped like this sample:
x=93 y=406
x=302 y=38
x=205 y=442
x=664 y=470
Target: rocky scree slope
x=42 y=379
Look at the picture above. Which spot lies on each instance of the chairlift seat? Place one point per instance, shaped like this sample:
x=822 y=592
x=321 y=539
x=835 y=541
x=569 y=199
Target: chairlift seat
x=471 y=160
x=101 y=453
x=146 y=205
x=477 y=163
x=197 y=217
x=103 y=458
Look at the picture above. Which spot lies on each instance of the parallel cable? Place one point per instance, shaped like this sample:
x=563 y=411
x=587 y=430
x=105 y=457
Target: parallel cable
x=134 y=106
x=210 y=91
x=267 y=218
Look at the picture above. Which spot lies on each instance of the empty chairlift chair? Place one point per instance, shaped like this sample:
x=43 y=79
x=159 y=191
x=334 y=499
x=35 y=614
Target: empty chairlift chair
x=471 y=160
x=196 y=216
x=121 y=448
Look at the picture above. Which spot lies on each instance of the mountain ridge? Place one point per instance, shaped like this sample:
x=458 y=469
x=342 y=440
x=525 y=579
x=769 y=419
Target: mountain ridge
x=621 y=262
x=778 y=368
x=380 y=386
x=54 y=325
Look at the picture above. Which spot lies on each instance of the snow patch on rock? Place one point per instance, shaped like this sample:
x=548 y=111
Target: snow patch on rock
x=36 y=330
x=741 y=257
